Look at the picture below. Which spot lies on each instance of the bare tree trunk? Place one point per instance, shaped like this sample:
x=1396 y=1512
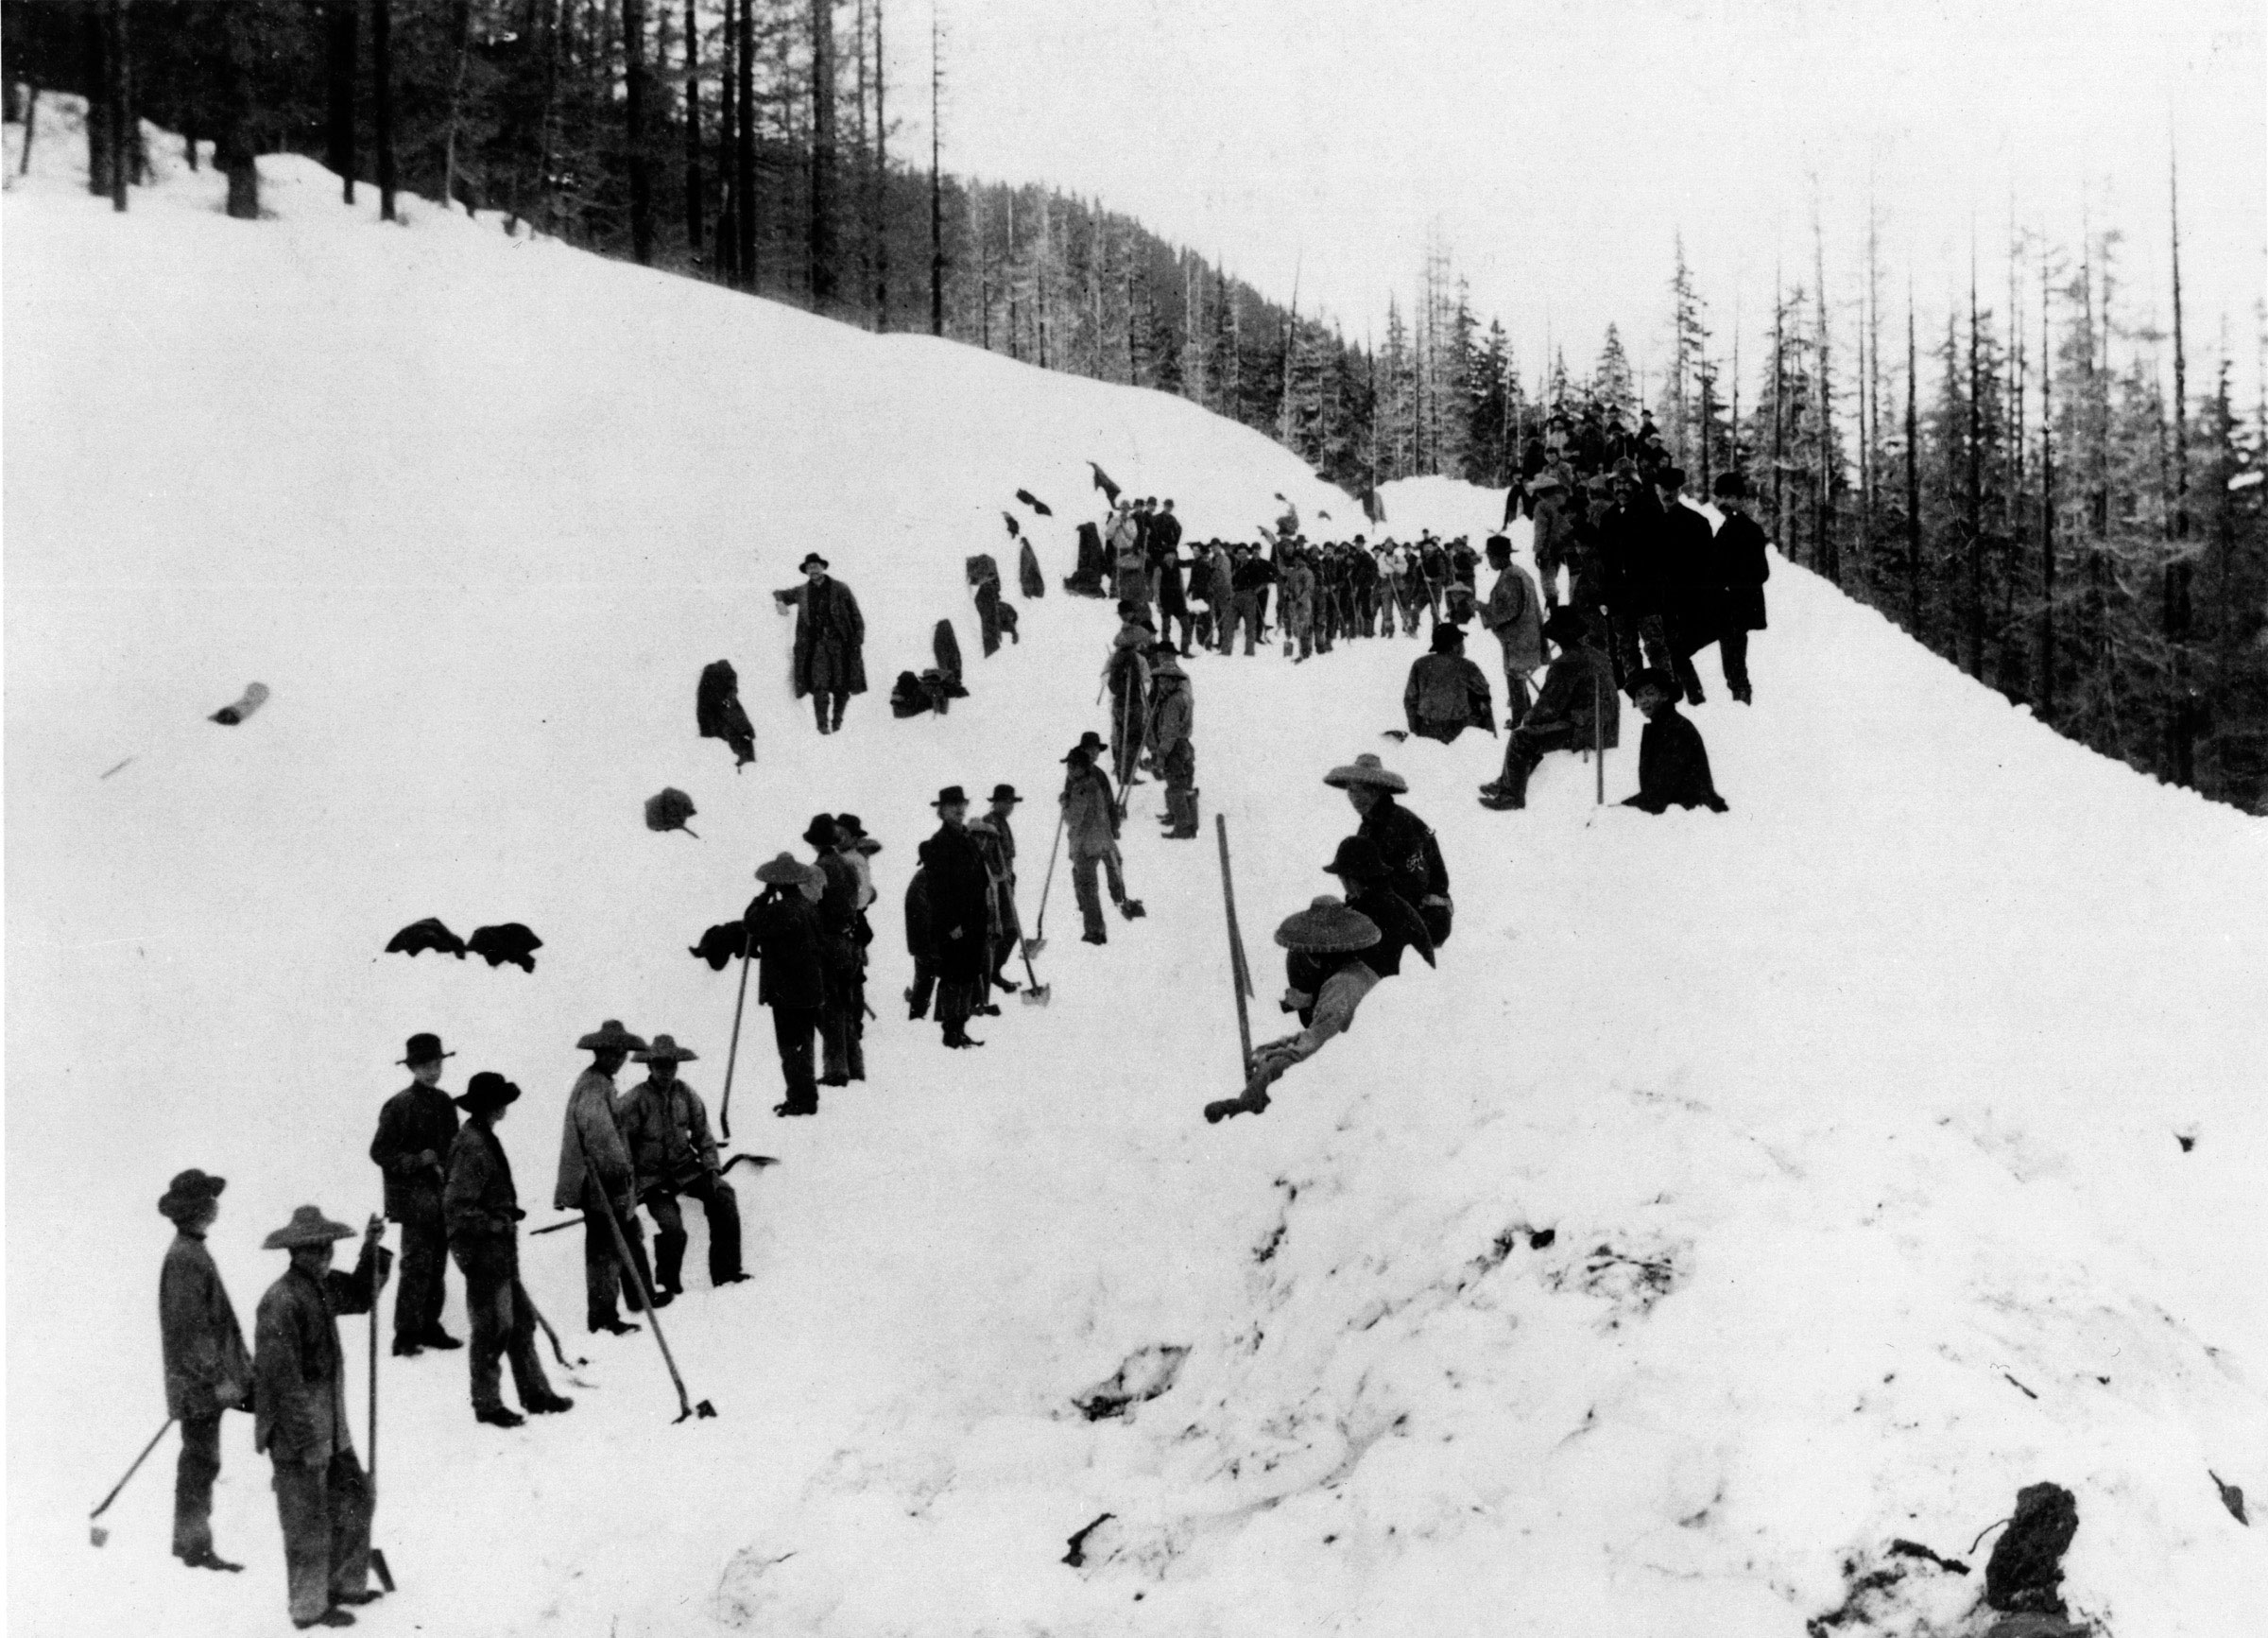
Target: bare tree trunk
x=382 y=108
x=633 y=109
x=823 y=246
x=745 y=133
x=552 y=23
x=2047 y=506
x=2181 y=718
x=1912 y=473
x=696 y=229
x=124 y=127
x=31 y=130
x=341 y=47
x=94 y=66
x=881 y=181
x=460 y=45
x=232 y=145
x=1823 y=532
x=1779 y=398
x=1976 y=483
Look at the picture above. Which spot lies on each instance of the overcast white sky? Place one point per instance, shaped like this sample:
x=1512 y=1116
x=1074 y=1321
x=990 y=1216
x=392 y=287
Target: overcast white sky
x=1560 y=145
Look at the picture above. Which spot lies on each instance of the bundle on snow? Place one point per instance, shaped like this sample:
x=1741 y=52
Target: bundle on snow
x=1101 y=481
x=505 y=941
x=947 y=647
x=1027 y=571
x=981 y=567
x=1088 y=579
x=426 y=934
x=1037 y=504
x=668 y=809
x=251 y=699
x=1014 y=529
x=723 y=943
x=931 y=691
x=719 y=713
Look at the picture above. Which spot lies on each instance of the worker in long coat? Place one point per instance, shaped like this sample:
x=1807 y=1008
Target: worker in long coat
x=830 y=637
x=207 y=1369
x=597 y=1178
x=483 y=1207
x=960 y=915
x=415 y=1130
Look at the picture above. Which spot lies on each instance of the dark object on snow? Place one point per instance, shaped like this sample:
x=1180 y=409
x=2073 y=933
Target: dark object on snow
x=1541 y=1238
x=1037 y=504
x=253 y=697
x=1901 y=1548
x=931 y=691
x=717 y=710
x=426 y=934
x=1101 y=481
x=1090 y=578
x=1673 y=767
x=2026 y=1566
x=505 y=941
x=2186 y=1140
x=947 y=647
x=982 y=566
x=1027 y=571
x=722 y=946
x=1014 y=529
x=2232 y=1497
x=668 y=809
x=1146 y=1373
x=1077 y=1544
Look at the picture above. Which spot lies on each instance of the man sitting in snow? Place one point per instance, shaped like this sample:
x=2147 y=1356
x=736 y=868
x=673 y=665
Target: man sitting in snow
x=1673 y=764
x=1577 y=710
x=1327 y=978
x=1447 y=693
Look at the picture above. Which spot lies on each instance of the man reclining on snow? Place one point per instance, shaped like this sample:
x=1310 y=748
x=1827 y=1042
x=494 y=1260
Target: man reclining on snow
x=1328 y=979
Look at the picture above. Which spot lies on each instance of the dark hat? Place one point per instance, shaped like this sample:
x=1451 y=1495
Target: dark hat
x=848 y=824
x=484 y=1091
x=811 y=558
x=1447 y=636
x=308 y=1227
x=1359 y=857
x=1366 y=769
x=1500 y=543
x=822 y=833
x=784 y=871
x=423 y=1049
x=1328 y=925
x=666 y=1046
x=1732 y=485
x=1079 y=756
x=189 y=1190
x=1091 y=741
x=1670 y=476
x=1004 y=793
x=1654 y=678
x=952 y=795
x=1626 y=467
x=1567 y=626
x=868 y=846
x=610 y=1033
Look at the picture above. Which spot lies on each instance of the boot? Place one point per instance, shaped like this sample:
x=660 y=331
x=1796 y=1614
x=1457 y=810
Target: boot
x=496 y=1416
x=436 y=1337
x=207 y=1560
x=669 y=1264
x=1253 y=1102
x=331 y=1617
x=407 y=1348
x=549 y=1404
x=1132 y=909
x=613 y=1328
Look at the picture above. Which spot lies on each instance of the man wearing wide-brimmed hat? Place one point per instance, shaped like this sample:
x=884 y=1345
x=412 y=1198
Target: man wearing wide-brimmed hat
x=207 y=1369
x=841 y=1048
x=1515 y=614
x=1413 y=857
x=484 y=1234
x=960 y=916
x=996 y=841
x=1326 y=977
x=322 y=1495
x=415 y=1130
x=666 y=1126
x=1577 y=710
x=596 y=1177
x=784 y=931
x=831 y=635
x=1091 y=838
x=1173 y=719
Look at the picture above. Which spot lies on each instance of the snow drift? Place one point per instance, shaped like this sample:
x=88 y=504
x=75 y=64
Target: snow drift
x=1743 y=1194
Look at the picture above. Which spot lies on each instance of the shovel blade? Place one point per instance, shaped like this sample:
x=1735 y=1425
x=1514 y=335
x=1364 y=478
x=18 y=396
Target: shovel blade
x=1033 y=946
x=704 y=1410
x=99 y=1534
x=1037 y=995
x=378 y=1563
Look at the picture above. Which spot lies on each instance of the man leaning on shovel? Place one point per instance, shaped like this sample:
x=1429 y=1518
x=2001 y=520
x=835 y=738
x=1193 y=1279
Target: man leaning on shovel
x=322 y=1495
x=207 y=1369
x=484 y=1234
x=596 y=1177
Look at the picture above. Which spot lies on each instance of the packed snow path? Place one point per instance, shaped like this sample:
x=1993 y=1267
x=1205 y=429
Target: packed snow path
x=1742 y=1193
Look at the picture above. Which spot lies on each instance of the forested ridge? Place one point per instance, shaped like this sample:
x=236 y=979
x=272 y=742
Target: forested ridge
x=2040 y=483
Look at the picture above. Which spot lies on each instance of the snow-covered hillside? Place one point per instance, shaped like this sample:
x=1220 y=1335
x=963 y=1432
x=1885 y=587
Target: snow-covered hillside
x=1744 y=1193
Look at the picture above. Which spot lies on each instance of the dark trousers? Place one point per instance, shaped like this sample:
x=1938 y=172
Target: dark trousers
x=1180 y=770
x=826 y=706
x=1524 y=748
x=843 y=1028
x=1517 y=696
x=503 y=1322
x=605 y=1279
x=722 y=1208
x=193 y=1479
x=1733 y=650
x=1242 y=613
x=925 y=984
x=325 y=1507
x=793 y=1028
x=425 y=1269
x=957 y=1001
x=1083 y=887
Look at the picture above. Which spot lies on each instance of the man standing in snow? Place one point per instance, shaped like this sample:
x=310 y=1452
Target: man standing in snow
x=415 y=1130
x=831 y=636
x=1414 y=867
x=841 y=1058
x=1249 y=585
x=960 y=916
x=1513 y=612
x=1743 y=567
x=1091 y=838
x=1673 y=764
x=1127 y=676
x=1689 y=570
x=1554 y=540
x=322 y=1495
x=597 y=1178
x=1578 y=710
x=666 y=1126
x=998 y=845
x=484 y=1234
x=1173 y=718
x=1171 y=595
x=784 y=930
x=207 y=1369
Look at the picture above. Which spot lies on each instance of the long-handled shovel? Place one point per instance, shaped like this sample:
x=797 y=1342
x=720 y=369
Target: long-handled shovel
x=723 y=1112
x=686 y=1408
x=558 y=1352
x=1038 y=941
x=100 y=1533
x=370 y=1239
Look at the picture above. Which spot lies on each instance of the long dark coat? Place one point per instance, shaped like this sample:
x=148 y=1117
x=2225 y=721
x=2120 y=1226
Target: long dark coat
x=959 y=898
x=831 y=636
x=302 y=1396
x=196 y=1322
x=1673 y=767
x=1692 y=596
x=1742 y=568
x=783 y=929
x=414 y=1120
x=1632 y=535
x=1414 y=867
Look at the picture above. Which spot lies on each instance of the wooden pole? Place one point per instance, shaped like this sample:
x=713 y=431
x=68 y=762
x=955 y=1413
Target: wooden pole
x=1240 y=975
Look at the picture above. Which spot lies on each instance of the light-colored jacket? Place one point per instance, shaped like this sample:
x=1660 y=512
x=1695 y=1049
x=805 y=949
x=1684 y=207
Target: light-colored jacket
x=667 y=1131
x=592 y=1114
x=1090 y=814
x=1514 y=613
x=1334 y=1014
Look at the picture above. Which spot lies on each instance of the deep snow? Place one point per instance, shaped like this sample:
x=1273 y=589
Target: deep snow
x=1846 y=1112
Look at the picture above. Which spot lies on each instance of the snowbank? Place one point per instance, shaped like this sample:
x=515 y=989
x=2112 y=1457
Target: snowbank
x=1744 y=1193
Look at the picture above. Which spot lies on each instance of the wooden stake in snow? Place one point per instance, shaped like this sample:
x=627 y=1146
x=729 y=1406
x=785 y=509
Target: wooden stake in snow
x=1240 y=975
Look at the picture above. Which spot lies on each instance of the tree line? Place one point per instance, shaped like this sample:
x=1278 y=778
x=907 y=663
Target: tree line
x=2015 y=482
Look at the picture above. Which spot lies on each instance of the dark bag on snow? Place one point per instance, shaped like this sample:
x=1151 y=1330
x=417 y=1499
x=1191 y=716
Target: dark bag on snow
x=1027 y=571
x=718 y=712
x=947 y=647
x=909 y=697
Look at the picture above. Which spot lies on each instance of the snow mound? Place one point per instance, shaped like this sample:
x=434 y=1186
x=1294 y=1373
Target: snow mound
x=1742 y=1195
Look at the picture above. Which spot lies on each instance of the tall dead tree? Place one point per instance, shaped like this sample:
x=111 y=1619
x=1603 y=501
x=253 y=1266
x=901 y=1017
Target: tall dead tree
x=2047 y=506
x=882 y=179
x=823 y=249
x=342 y=45
x=1975 y=492
x=936 y=193
x=1912 y=472
x=743 y=159
x=382 y=100
x=1824 y=548
x=634 y=113
x=461 y=49
x=696 y=229
x=2181 y=722
x=1780 y=406
x=119 y=95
